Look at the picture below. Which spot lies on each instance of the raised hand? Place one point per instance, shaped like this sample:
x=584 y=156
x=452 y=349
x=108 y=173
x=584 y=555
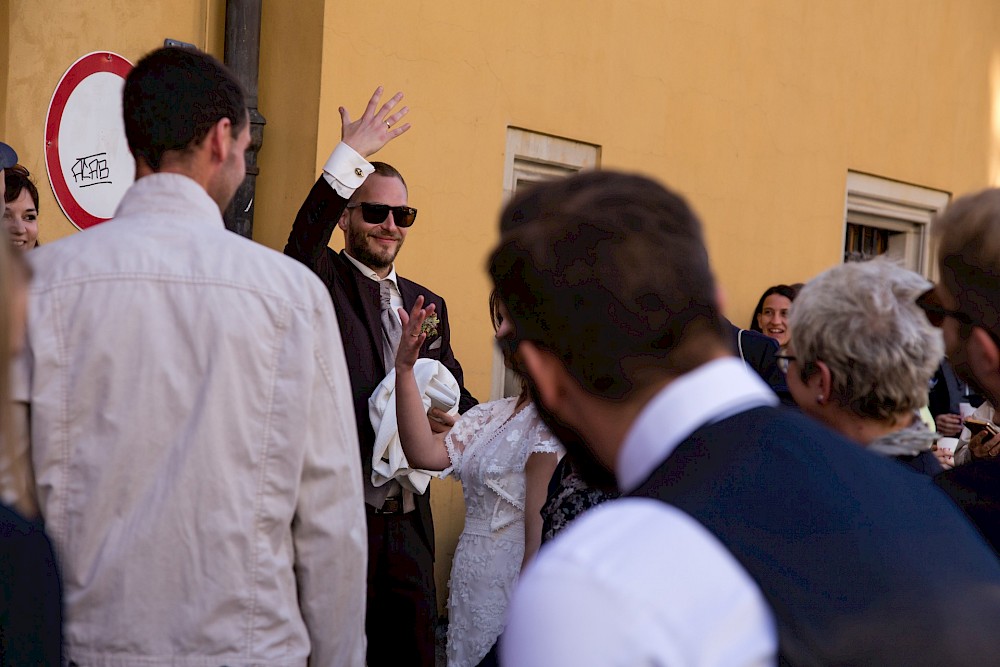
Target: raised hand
x=376 y=127
x=412 y=337
x=423 y=445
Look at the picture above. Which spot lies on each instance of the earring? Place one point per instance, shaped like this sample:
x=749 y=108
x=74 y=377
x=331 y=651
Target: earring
x=819 y=399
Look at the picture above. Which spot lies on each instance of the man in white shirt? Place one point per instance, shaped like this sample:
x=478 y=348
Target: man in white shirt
x=751 y=534
x=190 y=411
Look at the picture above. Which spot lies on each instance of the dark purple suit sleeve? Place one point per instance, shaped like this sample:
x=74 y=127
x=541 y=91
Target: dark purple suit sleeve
x=313 y=227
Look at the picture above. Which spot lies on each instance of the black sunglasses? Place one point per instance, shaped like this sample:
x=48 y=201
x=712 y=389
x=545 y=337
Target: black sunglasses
x=930 y=303
x=375 y=214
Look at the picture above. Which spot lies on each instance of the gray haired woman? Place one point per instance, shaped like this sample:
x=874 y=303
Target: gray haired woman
x=862 y=355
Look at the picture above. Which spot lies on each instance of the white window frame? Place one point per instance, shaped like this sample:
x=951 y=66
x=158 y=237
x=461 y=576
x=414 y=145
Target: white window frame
x=534 y=157
x=895 y=206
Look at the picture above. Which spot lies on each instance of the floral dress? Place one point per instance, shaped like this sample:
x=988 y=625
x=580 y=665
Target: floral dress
x=488 y=448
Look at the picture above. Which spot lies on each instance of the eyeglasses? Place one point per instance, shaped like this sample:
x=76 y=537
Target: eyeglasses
x=930 y=303
x=375 y=214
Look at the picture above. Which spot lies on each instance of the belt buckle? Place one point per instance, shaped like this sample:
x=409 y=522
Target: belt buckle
x=392 y=505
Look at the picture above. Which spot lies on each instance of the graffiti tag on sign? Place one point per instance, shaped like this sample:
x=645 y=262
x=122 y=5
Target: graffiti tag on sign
x=91 y=170
x=85 y=142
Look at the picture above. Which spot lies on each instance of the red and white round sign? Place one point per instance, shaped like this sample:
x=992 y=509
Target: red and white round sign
x=86 y=153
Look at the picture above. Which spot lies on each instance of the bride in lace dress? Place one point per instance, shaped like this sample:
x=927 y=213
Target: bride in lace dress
x=504 y=456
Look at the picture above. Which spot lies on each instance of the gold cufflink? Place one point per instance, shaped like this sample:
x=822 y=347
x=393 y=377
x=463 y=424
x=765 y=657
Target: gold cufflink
x=358 y=172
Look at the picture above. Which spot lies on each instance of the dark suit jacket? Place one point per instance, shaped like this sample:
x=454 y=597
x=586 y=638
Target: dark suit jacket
x=948 y=391
x=357 y=301
x=975 y=487
x=758 y=352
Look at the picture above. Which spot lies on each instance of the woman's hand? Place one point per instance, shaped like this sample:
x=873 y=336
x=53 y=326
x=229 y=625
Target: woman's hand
x=424 y=447
x=945 y=457
x=412 y=338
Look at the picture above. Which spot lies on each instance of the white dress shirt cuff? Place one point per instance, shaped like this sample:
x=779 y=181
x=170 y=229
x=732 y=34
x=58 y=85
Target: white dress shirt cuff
x=346 y=170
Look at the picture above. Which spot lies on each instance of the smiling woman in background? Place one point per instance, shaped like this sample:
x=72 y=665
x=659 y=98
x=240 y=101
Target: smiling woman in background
x=770 y=317
x=21 y=217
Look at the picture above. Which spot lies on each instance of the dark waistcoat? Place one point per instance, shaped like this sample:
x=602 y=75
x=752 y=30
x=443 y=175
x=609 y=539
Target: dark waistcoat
x=862 y=560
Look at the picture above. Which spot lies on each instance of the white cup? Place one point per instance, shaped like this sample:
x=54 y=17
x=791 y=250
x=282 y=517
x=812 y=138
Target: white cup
x=947 y=443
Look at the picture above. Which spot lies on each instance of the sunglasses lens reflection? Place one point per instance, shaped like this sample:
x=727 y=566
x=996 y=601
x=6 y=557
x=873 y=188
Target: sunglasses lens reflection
x=375 y=214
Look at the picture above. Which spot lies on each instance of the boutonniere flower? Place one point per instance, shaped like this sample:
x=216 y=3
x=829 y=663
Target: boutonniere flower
x=430 y=326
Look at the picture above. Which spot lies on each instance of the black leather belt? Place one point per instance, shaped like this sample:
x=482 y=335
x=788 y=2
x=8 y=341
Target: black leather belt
x=391 y=506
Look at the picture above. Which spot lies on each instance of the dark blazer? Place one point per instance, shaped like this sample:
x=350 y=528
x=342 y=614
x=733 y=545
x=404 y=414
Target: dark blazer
x=975 y=487
x=357 y=301
x=845 y=545
x=30 y=594
x=758 y=352
x=948 y=391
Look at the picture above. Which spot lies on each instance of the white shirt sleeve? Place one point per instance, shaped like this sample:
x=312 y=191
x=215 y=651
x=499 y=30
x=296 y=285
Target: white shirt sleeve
x=346 y=170
x=637 y=582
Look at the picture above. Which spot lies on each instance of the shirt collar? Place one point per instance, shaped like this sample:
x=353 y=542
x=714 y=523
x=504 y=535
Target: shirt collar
x=168 y=192
x=369 y=273
x=710 y=393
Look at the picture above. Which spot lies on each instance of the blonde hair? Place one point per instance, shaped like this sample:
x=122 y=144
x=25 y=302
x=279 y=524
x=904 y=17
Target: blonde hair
x=17 y=480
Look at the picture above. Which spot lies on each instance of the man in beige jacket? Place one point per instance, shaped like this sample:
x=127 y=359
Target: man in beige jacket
x=191 y=421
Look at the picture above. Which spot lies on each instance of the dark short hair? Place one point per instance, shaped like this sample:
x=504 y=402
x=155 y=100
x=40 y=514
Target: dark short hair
x=609 y=272
x=787 y=291
x=386 y=170
x=17 y=179
x=173 y=97
x=968 y=234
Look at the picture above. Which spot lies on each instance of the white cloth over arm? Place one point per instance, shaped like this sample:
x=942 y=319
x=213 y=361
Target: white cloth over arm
x=435 y=382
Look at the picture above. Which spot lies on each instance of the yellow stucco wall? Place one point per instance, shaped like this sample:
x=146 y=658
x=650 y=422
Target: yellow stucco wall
x=755 y=109
x=4 y=63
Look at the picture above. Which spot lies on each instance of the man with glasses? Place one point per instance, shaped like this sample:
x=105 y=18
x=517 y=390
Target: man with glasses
x=368 y=201
x=966 y=305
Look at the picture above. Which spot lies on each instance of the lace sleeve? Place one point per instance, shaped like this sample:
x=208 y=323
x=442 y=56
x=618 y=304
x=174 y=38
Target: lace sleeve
x=539 y=439
x=461 y=435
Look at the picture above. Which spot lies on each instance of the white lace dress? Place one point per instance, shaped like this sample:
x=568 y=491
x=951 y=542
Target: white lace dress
x=496 y=444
